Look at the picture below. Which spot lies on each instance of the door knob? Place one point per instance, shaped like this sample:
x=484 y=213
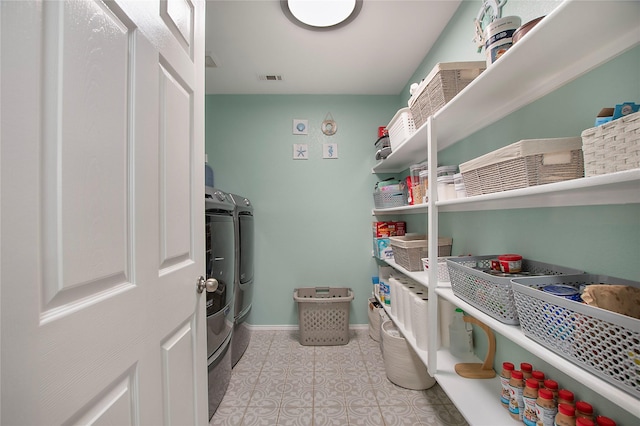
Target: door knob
x=210 y=285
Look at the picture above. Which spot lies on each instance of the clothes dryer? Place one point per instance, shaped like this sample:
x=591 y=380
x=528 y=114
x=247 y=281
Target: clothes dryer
x=244 y=268
x=220 y=265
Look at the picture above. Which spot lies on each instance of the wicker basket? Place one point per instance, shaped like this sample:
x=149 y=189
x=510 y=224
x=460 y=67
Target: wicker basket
x=442 y=84
x=612 y=147
x=400 y=128
x=492 y=294
x=604 y=343
x=522 y=164
x=409 y=250
x=323 y=315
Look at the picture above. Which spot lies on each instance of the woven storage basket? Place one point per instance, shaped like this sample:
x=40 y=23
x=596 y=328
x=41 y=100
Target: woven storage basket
x=492 y=294
x=604 y=343
x=409 y=250
x=612 y=147
x=374 y=319
x=401 y=364
x=522 y=164
x=323 y=315
x=442 y=84
x=401 y=127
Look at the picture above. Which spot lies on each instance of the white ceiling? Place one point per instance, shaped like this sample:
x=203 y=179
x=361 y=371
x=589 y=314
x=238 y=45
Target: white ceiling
x=377 y=53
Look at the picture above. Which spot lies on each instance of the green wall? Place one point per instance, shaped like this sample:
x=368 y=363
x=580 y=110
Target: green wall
x=312 y=217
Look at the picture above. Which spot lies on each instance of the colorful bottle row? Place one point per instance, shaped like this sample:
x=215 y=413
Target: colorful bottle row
x=537 y=401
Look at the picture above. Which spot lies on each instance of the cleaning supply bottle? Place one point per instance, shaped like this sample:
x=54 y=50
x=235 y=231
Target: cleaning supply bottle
x=460 y=335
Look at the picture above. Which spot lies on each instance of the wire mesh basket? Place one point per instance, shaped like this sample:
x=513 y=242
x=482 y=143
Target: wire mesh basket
x=604 y=343
x=323 y=315
x=490 y=293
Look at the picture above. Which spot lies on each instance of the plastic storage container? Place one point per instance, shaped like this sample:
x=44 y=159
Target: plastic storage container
x=605 y=343
x=460 y=335
x=323 y=314
x=446 y=188
x=472 y=282
x=400 y=128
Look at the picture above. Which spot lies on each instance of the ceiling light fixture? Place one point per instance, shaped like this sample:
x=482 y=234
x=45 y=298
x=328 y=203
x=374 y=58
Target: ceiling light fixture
x=321 y=15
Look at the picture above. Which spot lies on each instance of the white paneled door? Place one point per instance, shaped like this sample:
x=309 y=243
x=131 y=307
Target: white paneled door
x=102 y=212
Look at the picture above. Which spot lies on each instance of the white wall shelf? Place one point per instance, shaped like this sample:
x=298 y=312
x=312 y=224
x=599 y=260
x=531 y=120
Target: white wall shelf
x=420 y=276
x=516 y=335
x=533 y=68
x=527 y=72
x=416 y=209
x=411 y=151
x=484 y=408
x=614 y=188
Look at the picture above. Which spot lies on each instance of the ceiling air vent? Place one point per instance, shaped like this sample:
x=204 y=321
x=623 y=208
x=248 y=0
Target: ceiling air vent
x=270 y=77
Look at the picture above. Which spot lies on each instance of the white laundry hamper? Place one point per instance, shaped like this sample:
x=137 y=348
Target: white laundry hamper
x=402 y=365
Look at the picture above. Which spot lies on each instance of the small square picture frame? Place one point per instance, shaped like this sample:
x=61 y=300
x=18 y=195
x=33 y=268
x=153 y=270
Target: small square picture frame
x=300 y=126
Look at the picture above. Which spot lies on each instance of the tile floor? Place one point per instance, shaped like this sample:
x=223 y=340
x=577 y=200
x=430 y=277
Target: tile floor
x=280 y=382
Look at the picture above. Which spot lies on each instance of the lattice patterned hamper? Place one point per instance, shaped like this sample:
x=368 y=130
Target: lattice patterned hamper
x=441 y=85
x=604 y=343
x=529 y=162
x=323 y=315
x=409 y=250
x=612 y=147
x=492 y=294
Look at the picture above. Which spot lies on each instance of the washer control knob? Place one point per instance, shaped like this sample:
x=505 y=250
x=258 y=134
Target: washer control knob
x=220 y=195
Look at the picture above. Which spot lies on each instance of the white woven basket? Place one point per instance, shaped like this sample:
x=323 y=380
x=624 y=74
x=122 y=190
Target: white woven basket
x=401 y=363
x=612 y=147
x=526 y=163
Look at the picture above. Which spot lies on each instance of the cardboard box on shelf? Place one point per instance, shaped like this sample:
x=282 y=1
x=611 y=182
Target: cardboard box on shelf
x=389 y=229
x=382 y=248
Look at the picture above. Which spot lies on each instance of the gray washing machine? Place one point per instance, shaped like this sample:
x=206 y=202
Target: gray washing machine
x=244 y=238
x=220 y=265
